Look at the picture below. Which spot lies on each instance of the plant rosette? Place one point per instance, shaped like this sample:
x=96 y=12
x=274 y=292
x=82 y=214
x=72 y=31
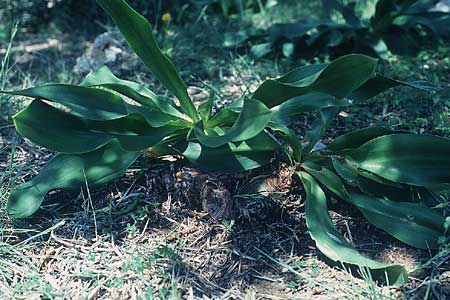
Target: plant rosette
x=391 y=177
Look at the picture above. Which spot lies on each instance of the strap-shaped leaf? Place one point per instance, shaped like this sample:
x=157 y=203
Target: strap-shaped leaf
x=302 y=76
x=420 y=160
x=149 y=139
x=358 y=137
x=54 y=129
x=339 y=78
x=103 y=77
x=404 y=193
x=380 y=83
x=319 y=127
x=250 y=122
x=156 y=118
x=292 y=141
x=286 y=112
x=233 y=157
x=206 y=108
x=345 y=74
x=331 y=243
x=97 y=104
x=374 y=185
x=57 y=130
x=345 y=170
x=227 y=116
x=89 y=103
x=71 y=172
x=412 y=223
x=138 y=33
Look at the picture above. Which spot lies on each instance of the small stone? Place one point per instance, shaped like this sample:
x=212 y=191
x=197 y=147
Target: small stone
x=318 y=290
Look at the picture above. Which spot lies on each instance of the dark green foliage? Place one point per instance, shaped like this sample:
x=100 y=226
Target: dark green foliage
x=398 y=26
x=35 y=15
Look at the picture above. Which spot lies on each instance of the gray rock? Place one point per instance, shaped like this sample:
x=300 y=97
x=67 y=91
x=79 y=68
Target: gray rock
x=107 y=48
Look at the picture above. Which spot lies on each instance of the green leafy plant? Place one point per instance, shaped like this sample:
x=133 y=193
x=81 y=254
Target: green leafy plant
x=397 y=26
x=231 y=8
x=388 y=175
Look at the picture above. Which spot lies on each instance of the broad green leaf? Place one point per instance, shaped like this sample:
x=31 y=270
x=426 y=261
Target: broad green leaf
x=328 y=178
x=345 y=170
x=250 y=122
x=233 y=157
x=319 y=127
x=54 y=129
x=375 y=185
x=71 y=172
x=292 y=141
x=376 y=178
x=286 y=112
x=411 y=223
x=89 y=103
x=339 y=78
x=205 y=109
x=138 y=33
x=103 y=77
x=386 y=191
x=98 y=104
x=148 y=139
x=134 y=133
x=227 y=116
x=379 y=83
x=402 y=193
x=273 y=92
x=358 y=137
x=345 y=74
x=359 y=177
x=302 y=76
x=57 y=130
x=420 y=160
x=156 y=118
x=331 y=243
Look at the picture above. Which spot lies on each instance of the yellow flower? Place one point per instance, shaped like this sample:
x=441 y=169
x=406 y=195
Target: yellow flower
x=166 y=17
